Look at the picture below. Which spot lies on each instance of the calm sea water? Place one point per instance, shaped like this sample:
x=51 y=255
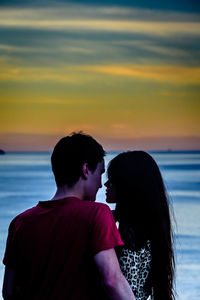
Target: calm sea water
x=26 y=178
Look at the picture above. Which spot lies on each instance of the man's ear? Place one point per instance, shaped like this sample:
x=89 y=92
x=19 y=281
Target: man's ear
x=85 y=171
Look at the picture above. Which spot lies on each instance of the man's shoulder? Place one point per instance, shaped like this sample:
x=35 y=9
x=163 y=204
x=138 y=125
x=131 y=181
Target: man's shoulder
x=97 y=205
x=101 y=211
x=28 y=212
x=94 y=210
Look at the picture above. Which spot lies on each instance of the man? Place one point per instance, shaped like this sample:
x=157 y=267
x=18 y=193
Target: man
x=64 y=248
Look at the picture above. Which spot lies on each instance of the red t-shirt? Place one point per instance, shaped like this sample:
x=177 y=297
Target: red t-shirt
x=51 y=246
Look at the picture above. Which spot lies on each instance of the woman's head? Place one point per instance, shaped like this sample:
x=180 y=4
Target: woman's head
x=135 y=184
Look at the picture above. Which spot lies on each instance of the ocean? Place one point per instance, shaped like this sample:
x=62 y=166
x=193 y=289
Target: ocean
x=26 y=178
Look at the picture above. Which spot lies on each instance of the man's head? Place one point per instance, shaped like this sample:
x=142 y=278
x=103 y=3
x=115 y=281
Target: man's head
x=78 y=156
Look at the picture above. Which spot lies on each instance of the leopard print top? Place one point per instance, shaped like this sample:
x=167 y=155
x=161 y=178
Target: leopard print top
x=136 y=266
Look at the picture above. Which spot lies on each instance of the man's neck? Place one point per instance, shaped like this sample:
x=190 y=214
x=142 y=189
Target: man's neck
x=65 y=192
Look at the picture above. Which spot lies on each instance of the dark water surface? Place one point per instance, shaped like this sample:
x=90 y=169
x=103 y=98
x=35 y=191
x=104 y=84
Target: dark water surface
x=26 y=178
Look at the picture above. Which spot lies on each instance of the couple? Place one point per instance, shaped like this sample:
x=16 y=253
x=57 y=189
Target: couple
x=70 y=248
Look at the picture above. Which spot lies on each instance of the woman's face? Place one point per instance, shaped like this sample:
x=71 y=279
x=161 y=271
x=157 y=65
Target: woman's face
x=110 y=192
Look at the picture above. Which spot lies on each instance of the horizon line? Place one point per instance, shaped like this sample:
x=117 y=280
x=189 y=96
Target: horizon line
x=107 y=151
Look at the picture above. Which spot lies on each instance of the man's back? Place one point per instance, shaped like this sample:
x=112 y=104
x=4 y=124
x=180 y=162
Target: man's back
x=52 y=247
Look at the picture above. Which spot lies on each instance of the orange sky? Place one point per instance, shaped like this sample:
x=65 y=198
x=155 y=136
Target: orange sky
x=128 y=76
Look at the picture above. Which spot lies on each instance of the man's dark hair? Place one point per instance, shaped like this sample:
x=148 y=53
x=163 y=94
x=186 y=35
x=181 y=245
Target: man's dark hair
x=69 y=155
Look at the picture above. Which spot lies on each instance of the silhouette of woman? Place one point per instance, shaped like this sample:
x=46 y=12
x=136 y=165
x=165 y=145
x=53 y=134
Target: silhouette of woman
x=136 y=186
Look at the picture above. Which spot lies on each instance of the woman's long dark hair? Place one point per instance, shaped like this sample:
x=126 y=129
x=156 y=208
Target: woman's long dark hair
x=142 y=210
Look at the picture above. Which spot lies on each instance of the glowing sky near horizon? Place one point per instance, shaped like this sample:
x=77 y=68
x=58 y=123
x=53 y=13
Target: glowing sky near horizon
x=115 y=70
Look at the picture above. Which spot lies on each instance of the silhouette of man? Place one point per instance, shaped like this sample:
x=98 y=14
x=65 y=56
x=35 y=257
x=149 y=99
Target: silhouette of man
x=63 y=248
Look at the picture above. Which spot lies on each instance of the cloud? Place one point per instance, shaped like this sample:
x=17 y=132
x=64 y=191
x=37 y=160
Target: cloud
x=172 y=74
x=66 y=74
x=85 y=18
x=153 y=46
x=86 y=73
x=78 y=34
x=60 y=48
x=18 y=49
x=86 y=11
x=148 y=28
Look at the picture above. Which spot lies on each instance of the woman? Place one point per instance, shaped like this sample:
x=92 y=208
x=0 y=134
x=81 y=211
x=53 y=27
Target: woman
x=147 y=260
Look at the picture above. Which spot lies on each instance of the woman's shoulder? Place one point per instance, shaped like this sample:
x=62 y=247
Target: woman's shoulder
x=134 y=240
x=143 y=252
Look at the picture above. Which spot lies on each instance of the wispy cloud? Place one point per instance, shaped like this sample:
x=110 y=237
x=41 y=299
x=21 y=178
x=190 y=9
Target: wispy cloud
x=107 y=20
x=68 y=74
x=60 y=48
x=18 y=49
x=78 y=74
x=154 y=47
x=77 y=34
x=149 y=28
x=172 y=74
x=69 y=10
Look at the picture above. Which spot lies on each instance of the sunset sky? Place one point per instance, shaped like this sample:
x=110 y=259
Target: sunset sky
x=126 y=72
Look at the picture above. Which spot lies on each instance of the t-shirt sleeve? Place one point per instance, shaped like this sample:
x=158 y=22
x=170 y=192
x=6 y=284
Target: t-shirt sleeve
x=10 y=253
x=105 y=234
